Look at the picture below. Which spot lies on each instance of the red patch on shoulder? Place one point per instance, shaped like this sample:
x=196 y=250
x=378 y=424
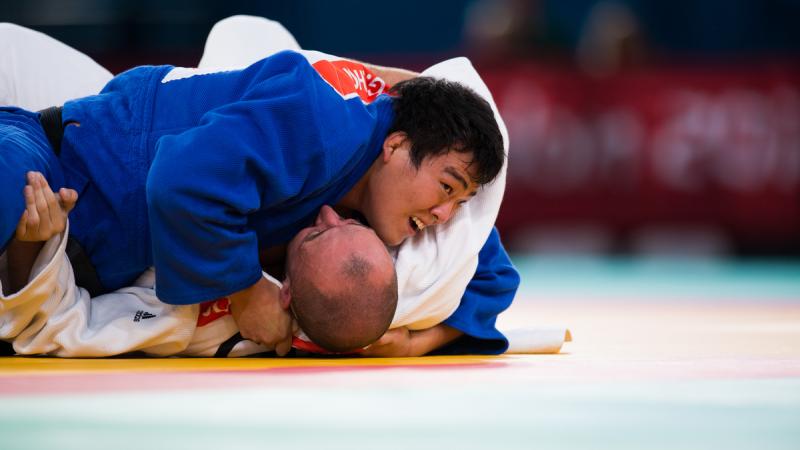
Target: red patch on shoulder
x=350 y=77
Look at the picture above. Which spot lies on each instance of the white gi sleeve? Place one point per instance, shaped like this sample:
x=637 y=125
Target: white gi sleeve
x=52 y=316
x=435 y=266
x=37 y=71
x=239 y=41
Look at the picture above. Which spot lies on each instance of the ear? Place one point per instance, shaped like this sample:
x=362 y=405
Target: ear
x=392 y=142
x=284 y=295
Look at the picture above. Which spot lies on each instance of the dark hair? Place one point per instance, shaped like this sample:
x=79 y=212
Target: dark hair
x=355 y=315
x=439 y=116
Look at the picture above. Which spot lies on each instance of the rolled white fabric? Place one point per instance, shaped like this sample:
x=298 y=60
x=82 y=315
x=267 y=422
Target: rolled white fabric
x=533 y=340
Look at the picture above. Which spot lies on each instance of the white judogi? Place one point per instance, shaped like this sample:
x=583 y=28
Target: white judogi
x=52 y=316
x=36 y=71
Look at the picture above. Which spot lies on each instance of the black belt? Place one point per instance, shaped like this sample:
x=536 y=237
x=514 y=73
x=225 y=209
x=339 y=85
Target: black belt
x=85 y=273
x=53 y=126
x=83 y=269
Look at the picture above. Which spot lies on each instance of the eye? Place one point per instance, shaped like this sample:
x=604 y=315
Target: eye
x=311 y=236
x=447 y=188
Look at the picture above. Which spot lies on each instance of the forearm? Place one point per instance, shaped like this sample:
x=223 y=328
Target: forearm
x=21 y=256
x=391 y=75
x=425 y=341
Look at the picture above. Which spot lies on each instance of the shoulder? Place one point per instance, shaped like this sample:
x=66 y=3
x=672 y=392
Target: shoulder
x=285 y=61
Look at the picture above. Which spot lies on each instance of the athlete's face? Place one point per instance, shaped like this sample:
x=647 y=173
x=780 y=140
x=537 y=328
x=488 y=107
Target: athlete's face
x=400 y=199
x=317 y=250
x=330 y=229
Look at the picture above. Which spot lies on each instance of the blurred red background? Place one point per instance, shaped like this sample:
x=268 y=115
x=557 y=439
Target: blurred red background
x=636 y=126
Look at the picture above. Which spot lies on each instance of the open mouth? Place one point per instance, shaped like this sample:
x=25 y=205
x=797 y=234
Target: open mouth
x=416 y=224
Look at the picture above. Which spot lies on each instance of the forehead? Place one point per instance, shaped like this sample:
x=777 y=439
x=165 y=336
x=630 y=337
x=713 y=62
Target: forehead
x=456 y=164
x=455 y=157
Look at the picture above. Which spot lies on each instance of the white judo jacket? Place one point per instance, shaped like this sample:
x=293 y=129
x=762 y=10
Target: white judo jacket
x=52 y=316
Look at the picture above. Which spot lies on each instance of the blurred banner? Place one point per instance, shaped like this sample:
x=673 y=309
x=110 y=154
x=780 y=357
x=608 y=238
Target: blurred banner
x=636 y=126
x=703 y=159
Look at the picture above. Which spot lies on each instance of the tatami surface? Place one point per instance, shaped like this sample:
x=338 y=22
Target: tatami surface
x=665 y=356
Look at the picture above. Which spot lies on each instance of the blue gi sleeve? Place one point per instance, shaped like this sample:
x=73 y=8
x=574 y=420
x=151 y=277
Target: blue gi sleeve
x=259 y=152
x=489 y=293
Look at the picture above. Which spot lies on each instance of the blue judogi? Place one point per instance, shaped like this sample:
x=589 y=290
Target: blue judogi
x=23 y=147
x=490 y=292
x=192 y=175
x=217 y=164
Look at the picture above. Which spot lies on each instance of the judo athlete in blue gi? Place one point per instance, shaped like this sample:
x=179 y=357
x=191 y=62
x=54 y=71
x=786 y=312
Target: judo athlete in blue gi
x=194 y=173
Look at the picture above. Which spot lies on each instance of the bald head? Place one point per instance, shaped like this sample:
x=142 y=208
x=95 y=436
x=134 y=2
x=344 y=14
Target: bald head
x=342 y=283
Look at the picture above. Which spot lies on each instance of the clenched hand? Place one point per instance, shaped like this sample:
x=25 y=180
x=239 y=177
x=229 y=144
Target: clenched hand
x=261 y=318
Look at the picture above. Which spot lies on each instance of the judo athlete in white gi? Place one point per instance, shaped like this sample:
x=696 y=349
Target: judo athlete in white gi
x=436 y=266
x=54 y=317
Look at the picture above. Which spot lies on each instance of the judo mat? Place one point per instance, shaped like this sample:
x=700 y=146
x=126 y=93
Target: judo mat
x=665 y=355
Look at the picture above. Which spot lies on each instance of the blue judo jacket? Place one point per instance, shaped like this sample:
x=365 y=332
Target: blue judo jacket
x=191 y=173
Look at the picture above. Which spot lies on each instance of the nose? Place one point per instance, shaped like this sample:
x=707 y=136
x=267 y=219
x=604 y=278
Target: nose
x=443 y=212
x=328 y=217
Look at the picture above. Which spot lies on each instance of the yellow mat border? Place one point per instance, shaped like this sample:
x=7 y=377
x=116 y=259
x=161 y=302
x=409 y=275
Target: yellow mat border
x=45 y=366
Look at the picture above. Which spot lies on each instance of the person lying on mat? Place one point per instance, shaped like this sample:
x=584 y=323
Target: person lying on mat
x=442 y=293
x=340 y=285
